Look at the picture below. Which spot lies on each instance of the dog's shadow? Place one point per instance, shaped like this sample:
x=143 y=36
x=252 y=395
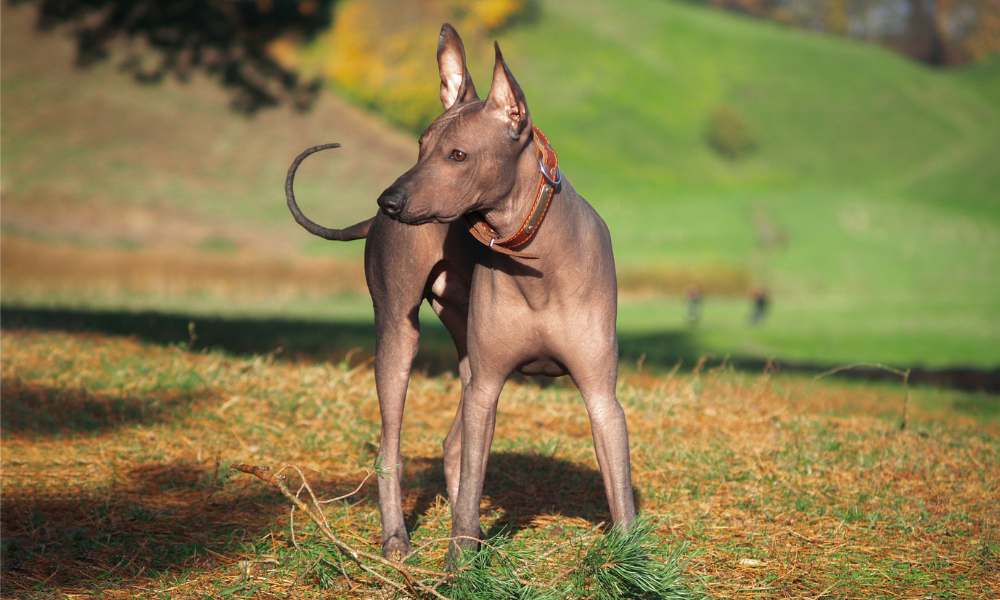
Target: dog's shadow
x=520 y=486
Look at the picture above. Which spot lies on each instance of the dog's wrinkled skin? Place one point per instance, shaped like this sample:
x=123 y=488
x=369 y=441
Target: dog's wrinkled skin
x=551 y=316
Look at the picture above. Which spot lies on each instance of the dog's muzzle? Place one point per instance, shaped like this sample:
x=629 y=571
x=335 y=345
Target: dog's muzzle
x=391 y=204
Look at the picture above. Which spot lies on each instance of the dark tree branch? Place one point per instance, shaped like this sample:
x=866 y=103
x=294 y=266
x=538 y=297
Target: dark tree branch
x=226 y=38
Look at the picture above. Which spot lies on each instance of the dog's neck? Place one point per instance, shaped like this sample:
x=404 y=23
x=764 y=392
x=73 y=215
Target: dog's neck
x=529 y=196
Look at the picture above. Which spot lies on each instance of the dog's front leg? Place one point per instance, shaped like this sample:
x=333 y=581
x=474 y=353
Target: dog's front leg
x=479 y=412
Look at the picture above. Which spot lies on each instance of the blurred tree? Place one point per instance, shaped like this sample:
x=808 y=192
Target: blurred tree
x=226 y=38
x=381 y=52
x=376 y=51
x=729 y=134
x=934 y=31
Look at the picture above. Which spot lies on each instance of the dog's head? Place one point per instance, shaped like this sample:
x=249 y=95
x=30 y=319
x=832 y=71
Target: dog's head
x=468 y=155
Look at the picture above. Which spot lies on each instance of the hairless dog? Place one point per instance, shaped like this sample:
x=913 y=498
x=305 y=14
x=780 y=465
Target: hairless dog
x=538 y=303
x=544 y=301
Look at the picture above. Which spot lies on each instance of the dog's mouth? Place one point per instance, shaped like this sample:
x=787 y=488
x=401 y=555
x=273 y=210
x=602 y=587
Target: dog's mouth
x=425 y=220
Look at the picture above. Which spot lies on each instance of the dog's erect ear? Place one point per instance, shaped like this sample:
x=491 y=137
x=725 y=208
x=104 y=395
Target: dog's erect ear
x=456 y=84
x=506 y=98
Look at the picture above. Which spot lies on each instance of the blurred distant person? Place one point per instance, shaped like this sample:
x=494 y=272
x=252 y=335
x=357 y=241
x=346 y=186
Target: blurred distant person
x=758 y=297
x=693 y=311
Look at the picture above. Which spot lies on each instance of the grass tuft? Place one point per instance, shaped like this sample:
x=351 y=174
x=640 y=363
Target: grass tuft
x=631 y=563
x=495 y=573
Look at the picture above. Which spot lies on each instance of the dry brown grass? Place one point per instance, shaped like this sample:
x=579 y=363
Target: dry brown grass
x=35 y=269
x=31 y=269
x=658 y=280
x=114 y=477
x=806 y=498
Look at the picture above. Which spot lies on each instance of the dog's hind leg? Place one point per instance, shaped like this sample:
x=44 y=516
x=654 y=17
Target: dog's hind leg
x=449 y=297
x=610 y=433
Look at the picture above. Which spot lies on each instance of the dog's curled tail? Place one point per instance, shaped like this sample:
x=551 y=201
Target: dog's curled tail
x=354 y=232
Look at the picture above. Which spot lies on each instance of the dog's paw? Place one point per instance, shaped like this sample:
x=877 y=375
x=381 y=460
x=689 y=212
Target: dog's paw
x=396 y=548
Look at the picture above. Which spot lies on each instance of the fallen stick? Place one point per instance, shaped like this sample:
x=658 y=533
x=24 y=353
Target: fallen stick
x=904 y=374
x=277 y=479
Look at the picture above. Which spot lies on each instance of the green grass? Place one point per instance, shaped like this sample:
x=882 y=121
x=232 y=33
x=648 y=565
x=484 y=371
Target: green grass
x=877 y=174
x=629 y=102
x=767 y=485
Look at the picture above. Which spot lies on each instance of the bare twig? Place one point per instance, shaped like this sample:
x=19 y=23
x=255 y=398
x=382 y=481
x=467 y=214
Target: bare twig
x=343 y=571
x=368 y=474
x=301 y=576
x=305 y=484
x=291 y=528
x=434 y=541
x=904 y=374
x=277 y=480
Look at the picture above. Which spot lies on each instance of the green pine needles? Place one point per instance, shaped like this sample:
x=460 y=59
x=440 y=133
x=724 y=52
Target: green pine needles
x=621 y=564
x=630 y=563
x=497 y=572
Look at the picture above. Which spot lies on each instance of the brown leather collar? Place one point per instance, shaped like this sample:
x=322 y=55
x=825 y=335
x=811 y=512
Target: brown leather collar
x=548 y=164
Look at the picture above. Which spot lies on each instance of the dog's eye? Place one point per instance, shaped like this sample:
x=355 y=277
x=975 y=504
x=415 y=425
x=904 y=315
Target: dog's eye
x=458 y=155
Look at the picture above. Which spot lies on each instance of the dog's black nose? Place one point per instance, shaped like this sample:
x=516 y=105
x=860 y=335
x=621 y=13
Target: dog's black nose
x=391 y=204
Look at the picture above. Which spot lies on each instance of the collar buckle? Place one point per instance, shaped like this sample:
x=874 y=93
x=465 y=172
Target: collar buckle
x=553 y=175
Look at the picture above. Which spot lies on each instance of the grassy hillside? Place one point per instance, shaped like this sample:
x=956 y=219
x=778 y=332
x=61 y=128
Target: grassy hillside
x=867 y=208
x=636 y=81
x=881 y=172
x=93 y=157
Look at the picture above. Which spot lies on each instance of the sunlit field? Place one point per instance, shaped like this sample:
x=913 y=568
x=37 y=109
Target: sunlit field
x=117 y=481
x=164 y=320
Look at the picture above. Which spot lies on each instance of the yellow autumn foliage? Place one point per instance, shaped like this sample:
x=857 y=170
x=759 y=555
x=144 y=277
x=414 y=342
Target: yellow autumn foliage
x=381 y=52
x=494 y=14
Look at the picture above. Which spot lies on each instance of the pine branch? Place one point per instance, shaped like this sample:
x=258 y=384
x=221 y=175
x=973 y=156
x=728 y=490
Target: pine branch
x=317 y=516
x=620 y=564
